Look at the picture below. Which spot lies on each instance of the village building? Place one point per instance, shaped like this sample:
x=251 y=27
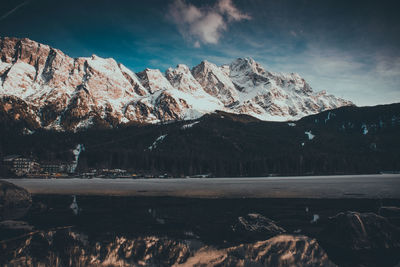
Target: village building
x=8 y=161
x=21 y=166
x=50 y=168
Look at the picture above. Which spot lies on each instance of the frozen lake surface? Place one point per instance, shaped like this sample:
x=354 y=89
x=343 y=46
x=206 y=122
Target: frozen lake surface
x=344 y=186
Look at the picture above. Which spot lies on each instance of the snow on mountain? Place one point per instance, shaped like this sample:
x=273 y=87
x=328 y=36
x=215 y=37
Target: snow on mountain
x=215 y=82
x=182 y=79
x=276 y=96
x=153 y=80
x=65 y=93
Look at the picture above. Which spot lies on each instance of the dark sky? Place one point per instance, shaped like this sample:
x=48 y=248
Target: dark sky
x=349 y=48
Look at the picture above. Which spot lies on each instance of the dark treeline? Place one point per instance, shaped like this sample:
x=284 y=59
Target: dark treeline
x=230 y=145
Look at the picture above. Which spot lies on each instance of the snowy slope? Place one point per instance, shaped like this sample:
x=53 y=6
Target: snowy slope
x=65 y=93
x=276 y=96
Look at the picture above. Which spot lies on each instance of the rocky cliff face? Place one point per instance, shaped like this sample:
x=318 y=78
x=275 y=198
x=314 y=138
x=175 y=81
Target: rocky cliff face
x=64 y=93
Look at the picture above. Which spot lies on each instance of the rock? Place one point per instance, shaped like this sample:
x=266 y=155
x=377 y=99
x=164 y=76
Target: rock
x=182 y=79
x=361 y=231
x=253 y=227
x=282 y=250
x=153 y=80
x=14 y=201
x=66 y=247
x=215 y=82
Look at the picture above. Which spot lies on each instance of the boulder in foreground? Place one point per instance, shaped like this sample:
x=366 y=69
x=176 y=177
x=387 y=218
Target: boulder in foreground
x=362 y=231
x=255 y=227
x=14 y=201
x=282 y=250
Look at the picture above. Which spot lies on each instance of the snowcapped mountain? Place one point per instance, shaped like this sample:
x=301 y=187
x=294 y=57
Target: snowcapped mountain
x=51 y=90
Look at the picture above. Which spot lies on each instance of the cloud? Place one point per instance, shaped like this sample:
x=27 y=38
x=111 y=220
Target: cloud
x=227 y=7
x=204 y=25
x=364 y=80
x=388 y=66
x=4 y=16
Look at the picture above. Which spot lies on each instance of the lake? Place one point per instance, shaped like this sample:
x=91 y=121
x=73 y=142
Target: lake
x=163 y=222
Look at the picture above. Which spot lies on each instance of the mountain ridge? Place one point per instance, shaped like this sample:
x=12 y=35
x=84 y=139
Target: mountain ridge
x=64 y=93
x=347 y=140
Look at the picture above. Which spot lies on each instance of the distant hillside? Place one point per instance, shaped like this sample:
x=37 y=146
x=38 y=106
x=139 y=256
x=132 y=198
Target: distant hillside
x=345 y=140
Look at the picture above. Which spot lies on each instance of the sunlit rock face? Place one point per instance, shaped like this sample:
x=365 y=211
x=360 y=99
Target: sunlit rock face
x=153 y=80
x=64 y=247
x=182 y=79
x=282 y=250
x=215 y=82
x=65 y=93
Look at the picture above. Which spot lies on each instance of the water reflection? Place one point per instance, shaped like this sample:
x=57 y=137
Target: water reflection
x=124 y=231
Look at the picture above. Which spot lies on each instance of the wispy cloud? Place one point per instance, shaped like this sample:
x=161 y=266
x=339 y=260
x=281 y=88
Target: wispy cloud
x=227 y=7
x=346 y=74
x=4 y=16
x=204 y=25
x=388 y=66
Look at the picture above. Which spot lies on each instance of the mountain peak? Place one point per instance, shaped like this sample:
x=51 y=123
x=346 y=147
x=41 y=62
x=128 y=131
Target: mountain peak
x=215 y=82
x=183 y=67
x=182 y=79
x=205 y=67
x=247 y=60
x=246 y=64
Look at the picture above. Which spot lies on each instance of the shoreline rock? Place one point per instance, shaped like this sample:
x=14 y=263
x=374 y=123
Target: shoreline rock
x=15 y=201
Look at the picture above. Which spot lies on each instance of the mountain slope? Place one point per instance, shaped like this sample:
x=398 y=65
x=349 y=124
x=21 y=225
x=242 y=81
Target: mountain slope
x=64 y=93
x=345 y=140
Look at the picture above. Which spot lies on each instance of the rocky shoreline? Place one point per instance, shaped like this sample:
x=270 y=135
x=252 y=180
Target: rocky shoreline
x=171 y=231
